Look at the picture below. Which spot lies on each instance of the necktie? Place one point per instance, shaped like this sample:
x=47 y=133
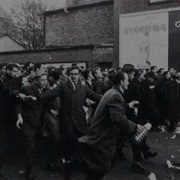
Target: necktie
x=75 y=85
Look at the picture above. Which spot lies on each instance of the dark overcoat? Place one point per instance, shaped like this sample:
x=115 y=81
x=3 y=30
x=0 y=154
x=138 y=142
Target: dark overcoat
x=32 y=111
x=172 y=99
x=97 y=85
x=134 y=93
x=9 y=101
x=149 y=103
x=99 y=146
x=73 y=117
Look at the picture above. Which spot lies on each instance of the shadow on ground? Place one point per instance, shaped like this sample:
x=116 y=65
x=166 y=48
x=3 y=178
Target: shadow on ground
x=168 y=149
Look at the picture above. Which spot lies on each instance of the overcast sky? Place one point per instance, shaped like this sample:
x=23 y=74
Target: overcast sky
x=6 y=4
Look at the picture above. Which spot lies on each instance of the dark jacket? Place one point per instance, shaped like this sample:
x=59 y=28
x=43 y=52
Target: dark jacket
x=149 y=102
x=134 y=93
x=52 y=122
x=32 y=111
x=11 y=87
x=72 y=112
x=101 y=139
x=88 y=84
x=97 y=86
x=172 y=98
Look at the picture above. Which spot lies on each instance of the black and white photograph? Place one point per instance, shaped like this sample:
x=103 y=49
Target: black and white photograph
x=89 y=89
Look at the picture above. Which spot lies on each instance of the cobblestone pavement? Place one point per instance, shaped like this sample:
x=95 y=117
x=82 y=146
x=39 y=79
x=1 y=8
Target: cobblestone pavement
x=168 y=149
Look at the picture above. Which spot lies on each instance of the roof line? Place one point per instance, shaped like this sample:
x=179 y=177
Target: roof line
x=79 y=6
x=13 y=40
x=60 y=48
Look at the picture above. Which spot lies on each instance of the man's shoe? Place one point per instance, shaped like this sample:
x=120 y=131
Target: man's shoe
x=139 y=168
x=141 y=134
x=150 y=154
x=31 y=177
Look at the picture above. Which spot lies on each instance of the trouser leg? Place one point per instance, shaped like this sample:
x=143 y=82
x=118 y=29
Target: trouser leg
x=136 y=149
x=29 y=143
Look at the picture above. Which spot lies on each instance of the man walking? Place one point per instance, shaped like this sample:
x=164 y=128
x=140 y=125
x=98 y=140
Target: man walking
x=98 y=147
x=73 y=123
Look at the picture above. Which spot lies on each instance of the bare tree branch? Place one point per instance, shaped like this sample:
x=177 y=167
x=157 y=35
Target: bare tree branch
x=27 y=23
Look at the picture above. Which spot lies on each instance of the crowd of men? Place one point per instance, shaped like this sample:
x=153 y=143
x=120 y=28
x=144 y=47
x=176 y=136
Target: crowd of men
x=85 y=115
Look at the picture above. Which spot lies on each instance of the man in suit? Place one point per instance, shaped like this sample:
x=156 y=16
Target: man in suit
x=172 y=100
x=133 y=93
x=30 y=119
x=73 y=117
x=98 y=147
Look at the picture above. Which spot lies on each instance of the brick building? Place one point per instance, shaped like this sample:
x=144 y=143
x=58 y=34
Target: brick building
x=120 y=31
x=109 y=32
x=83 y=23
x=83 y=32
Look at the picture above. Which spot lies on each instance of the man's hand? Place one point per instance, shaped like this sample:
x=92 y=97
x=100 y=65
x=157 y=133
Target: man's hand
x=26 y=98
x=132 y=103
x=55 y=113
x=20 y=95
x=19 y=121
x=30 y=98
x=139 y=128
x=136 y=111
x=151 y=87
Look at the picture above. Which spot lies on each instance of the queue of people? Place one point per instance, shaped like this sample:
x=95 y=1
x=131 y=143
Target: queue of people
x=86 y=115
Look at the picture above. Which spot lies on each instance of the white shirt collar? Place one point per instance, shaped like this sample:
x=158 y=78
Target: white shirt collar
x=72 y=83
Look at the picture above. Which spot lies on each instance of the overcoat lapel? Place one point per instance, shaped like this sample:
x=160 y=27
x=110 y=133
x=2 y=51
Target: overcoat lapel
x=69 y=84
x=78 y=85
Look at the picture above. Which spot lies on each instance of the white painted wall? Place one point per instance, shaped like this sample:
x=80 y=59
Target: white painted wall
x=144 y=37
x=7 y=44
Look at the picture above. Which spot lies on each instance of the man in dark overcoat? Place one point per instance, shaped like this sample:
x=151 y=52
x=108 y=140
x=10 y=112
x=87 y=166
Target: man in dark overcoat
x=99 y=145
x=73 y=117
x=30 y=120
x=172 y=99
x=149 y=100
x=11 y=87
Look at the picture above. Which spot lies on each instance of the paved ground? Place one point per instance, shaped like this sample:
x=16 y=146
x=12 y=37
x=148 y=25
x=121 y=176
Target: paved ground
x=168 y=149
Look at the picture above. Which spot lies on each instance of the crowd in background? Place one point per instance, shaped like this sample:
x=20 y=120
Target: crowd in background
x=153 y=95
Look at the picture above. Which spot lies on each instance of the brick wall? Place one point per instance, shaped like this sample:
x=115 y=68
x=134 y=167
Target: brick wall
x=83 y=25
x=49 y=56
x=80 y=2
x=88 y=54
